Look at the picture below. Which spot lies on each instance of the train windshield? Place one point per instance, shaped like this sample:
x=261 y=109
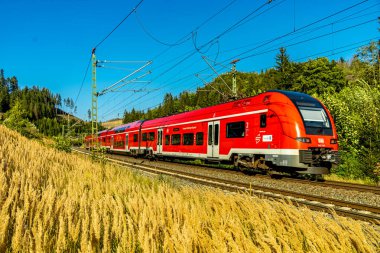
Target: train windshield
x=316 y=120
x=314 y=117
x=313 y=114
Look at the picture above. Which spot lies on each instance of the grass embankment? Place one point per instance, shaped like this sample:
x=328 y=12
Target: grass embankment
x=333 y=177
x=52 y=201
x=112 y=123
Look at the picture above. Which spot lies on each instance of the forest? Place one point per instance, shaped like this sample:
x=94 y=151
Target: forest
x=37 y=112
x=350 y=90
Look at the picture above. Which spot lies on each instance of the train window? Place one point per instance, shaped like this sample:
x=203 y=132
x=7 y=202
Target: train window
x=216 y=134
x=236 y=130
x=151 y=136
x=176 y=139
x=210 y=135
x=199 y=138
x=159 y=139
x=263 y=120
x=188 y=139
x=135 y=137
x=144 y=136
x=167 y=139
x=119 y=142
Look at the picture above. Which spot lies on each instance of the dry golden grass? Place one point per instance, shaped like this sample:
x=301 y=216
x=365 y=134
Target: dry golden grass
x=112 y=123
x=56 y=202
x=333 y=177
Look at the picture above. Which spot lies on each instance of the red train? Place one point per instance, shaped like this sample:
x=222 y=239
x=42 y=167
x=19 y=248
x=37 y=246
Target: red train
x=277 y=130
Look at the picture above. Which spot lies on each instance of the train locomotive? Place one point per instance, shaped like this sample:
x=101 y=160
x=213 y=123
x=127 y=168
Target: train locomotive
x=276 y=130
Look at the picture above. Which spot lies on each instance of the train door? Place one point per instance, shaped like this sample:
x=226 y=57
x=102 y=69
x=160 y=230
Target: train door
x=127 y=142
x=159 y=141
x=213 y=139
x=112 y=142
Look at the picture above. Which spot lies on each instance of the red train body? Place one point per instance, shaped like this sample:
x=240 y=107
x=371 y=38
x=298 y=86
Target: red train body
x=278 y=130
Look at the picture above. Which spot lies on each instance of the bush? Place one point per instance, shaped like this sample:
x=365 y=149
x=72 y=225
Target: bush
x=356 y=111
x=16 y=119
x=62 y=144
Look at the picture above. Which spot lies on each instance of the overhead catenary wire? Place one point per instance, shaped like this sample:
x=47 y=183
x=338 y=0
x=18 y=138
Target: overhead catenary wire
x=286 y=46
x=299 y=29
x=150 y=35
x=348 y=17
x=310 y=24
x=203 y=23
x=233 y=27
x=346 y=48
x=198 y=27
x=83 y=80
x=121 y=22
x=97 y=45
x=310 y=39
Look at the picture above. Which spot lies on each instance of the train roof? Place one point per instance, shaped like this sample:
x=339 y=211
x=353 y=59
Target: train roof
x=300 y=99
x=297 y=98
x=206 y=112
x=122 y=128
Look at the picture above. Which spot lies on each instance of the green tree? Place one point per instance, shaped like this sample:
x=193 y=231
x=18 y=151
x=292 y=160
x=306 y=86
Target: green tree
x=285 y=70
x=318 y=76
x=16 y=119
x=369 y=57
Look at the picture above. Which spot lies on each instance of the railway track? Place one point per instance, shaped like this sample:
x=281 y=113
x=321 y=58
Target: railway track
x=319 y=203
x=332 y=184
x=336 y=184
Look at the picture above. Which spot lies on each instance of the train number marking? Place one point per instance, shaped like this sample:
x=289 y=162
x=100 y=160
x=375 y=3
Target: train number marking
x=267 y=138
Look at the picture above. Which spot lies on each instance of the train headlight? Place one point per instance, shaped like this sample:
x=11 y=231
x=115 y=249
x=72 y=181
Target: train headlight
x=333 y=141
x=303 y=139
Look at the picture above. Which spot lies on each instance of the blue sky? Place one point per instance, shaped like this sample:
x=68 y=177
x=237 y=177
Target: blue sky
x=48 y=43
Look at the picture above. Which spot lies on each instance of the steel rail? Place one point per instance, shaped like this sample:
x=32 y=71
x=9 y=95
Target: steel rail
x=335 y=184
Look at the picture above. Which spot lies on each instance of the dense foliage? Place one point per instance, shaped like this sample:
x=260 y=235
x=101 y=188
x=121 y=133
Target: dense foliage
x=351 y=91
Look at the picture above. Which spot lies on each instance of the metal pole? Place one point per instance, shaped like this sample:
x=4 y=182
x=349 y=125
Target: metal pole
x=234 y=88
x=94 y=99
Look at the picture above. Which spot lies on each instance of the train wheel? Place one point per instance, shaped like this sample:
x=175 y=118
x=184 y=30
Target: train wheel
x=320 y=178
x=316 y=177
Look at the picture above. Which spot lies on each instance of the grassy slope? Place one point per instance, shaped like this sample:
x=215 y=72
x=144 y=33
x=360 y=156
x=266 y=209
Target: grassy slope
x=52 y=201
x=112 y=123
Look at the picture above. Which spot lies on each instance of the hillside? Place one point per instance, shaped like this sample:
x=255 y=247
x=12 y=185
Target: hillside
x=53 y=201
x=112 y=123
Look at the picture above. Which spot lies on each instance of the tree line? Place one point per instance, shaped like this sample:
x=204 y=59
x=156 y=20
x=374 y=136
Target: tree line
x=349 y=89
x=36 y=111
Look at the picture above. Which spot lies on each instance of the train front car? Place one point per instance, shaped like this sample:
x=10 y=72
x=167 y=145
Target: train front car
x=309 y=138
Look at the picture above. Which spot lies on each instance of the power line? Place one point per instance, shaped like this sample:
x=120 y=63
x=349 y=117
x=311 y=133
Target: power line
x=133 y=10
x=201 y=25
x=357 y=44
x=310 y=39
x=297 y=30
x=198 y=27
x=84 y=78
x=189 y=54
x=348 y=17
x=234 y=26
x=296 y=44
x=150 y=35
